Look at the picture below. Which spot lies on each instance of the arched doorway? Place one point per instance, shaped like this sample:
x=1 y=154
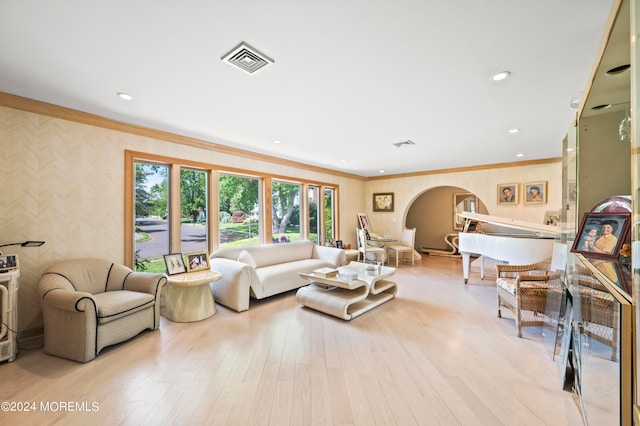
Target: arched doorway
x=432 y=214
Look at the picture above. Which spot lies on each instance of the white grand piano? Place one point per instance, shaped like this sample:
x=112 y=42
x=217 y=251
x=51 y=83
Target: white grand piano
x=510 y=241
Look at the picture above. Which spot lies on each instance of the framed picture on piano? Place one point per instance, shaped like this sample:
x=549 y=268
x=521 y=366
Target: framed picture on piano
x=602 y=234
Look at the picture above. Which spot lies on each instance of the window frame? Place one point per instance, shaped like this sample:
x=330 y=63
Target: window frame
x=213 y=171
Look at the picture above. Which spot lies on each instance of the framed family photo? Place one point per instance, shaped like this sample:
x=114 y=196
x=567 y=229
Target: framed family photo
x=198 y=261
x=601 y=234
x=174 y=263
x=383 y=202
x=363 y=222
x=535 y=192
x=508 y=193
x=8 y=263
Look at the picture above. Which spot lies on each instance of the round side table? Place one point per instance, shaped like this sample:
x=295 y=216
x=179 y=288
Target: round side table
x=187 y=297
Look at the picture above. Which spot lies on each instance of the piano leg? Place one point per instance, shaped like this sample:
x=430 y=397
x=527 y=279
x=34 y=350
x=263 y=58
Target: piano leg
x=465 y=266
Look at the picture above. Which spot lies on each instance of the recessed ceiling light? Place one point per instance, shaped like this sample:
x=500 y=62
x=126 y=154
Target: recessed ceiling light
x=125 y=96
x=599 y=107
x=514 y=130
x=500 y=75
x=276 y=142
x=343 y=161
x=519 y=155
x=618 y=70
x=381 y=171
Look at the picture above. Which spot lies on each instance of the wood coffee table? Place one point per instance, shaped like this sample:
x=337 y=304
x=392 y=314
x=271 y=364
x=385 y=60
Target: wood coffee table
x=348 y=299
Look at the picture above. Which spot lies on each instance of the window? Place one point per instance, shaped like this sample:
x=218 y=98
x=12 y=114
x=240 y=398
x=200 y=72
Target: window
x=314 y=213
x=151 y=235
x=329 y=216
x=171 y=206
x=239 y=212
x=193 y=211
x=285 y=220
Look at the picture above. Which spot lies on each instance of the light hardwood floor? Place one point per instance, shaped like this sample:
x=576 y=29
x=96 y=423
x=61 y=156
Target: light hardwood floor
x=436 y=355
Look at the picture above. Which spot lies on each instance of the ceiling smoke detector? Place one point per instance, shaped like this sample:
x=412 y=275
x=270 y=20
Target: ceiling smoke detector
x=247 y=58
x=403 y=143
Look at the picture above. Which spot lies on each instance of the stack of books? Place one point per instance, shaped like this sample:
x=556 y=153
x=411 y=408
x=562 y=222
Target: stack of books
x=326 y=272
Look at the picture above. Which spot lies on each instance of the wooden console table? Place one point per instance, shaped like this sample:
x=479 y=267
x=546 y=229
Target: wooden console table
x=348 y=299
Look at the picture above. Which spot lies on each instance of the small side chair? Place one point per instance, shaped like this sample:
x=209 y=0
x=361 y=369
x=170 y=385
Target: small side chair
x=364 y=248
x=406 y=246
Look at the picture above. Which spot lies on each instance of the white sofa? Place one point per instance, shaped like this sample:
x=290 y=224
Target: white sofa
x=264 y=270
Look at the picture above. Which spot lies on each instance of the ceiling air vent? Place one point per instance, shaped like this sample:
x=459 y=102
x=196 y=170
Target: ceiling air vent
x=247 y=58
x=403 y=143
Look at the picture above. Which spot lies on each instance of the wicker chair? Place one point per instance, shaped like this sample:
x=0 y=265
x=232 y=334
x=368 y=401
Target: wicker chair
x=523 y=290
x=599 y=312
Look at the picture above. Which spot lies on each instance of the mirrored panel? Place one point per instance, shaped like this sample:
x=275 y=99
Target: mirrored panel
x=463 y=202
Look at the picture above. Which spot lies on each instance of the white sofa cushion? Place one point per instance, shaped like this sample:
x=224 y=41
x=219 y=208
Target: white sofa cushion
x=277 y=279
x=276 y=270
x=245 y=257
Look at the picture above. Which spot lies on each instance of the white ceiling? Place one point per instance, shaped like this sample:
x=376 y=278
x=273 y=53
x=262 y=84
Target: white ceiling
x=350 y=77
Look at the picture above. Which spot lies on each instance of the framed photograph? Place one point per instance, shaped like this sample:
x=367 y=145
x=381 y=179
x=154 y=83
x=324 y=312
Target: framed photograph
x=535 y=192
x=174 y=263
x=363 y=222
x=463 y=202
x=197 y=261
x=383 y=202
x=339 y=244
x=508 y=193
x=470 y=225
x=551 y=217
x=601 y=234
x=8 y=263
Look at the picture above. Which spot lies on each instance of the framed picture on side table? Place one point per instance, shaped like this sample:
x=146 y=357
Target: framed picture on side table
x=197 y=261
x=174 y=263
x=8 y=263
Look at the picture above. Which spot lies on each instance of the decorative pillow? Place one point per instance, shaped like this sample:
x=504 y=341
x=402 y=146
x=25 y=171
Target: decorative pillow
x=245 y=257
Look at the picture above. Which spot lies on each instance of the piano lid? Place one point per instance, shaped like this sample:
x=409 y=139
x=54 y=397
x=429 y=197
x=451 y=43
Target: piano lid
x=525 y=227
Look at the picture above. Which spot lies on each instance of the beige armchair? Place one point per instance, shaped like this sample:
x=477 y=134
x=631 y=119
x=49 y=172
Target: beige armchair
x=89 y=304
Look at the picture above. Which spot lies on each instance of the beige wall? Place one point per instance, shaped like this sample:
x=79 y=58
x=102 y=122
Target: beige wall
x=64 y=184
x=482 y=183
x=432 y=215
x=604 y=162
